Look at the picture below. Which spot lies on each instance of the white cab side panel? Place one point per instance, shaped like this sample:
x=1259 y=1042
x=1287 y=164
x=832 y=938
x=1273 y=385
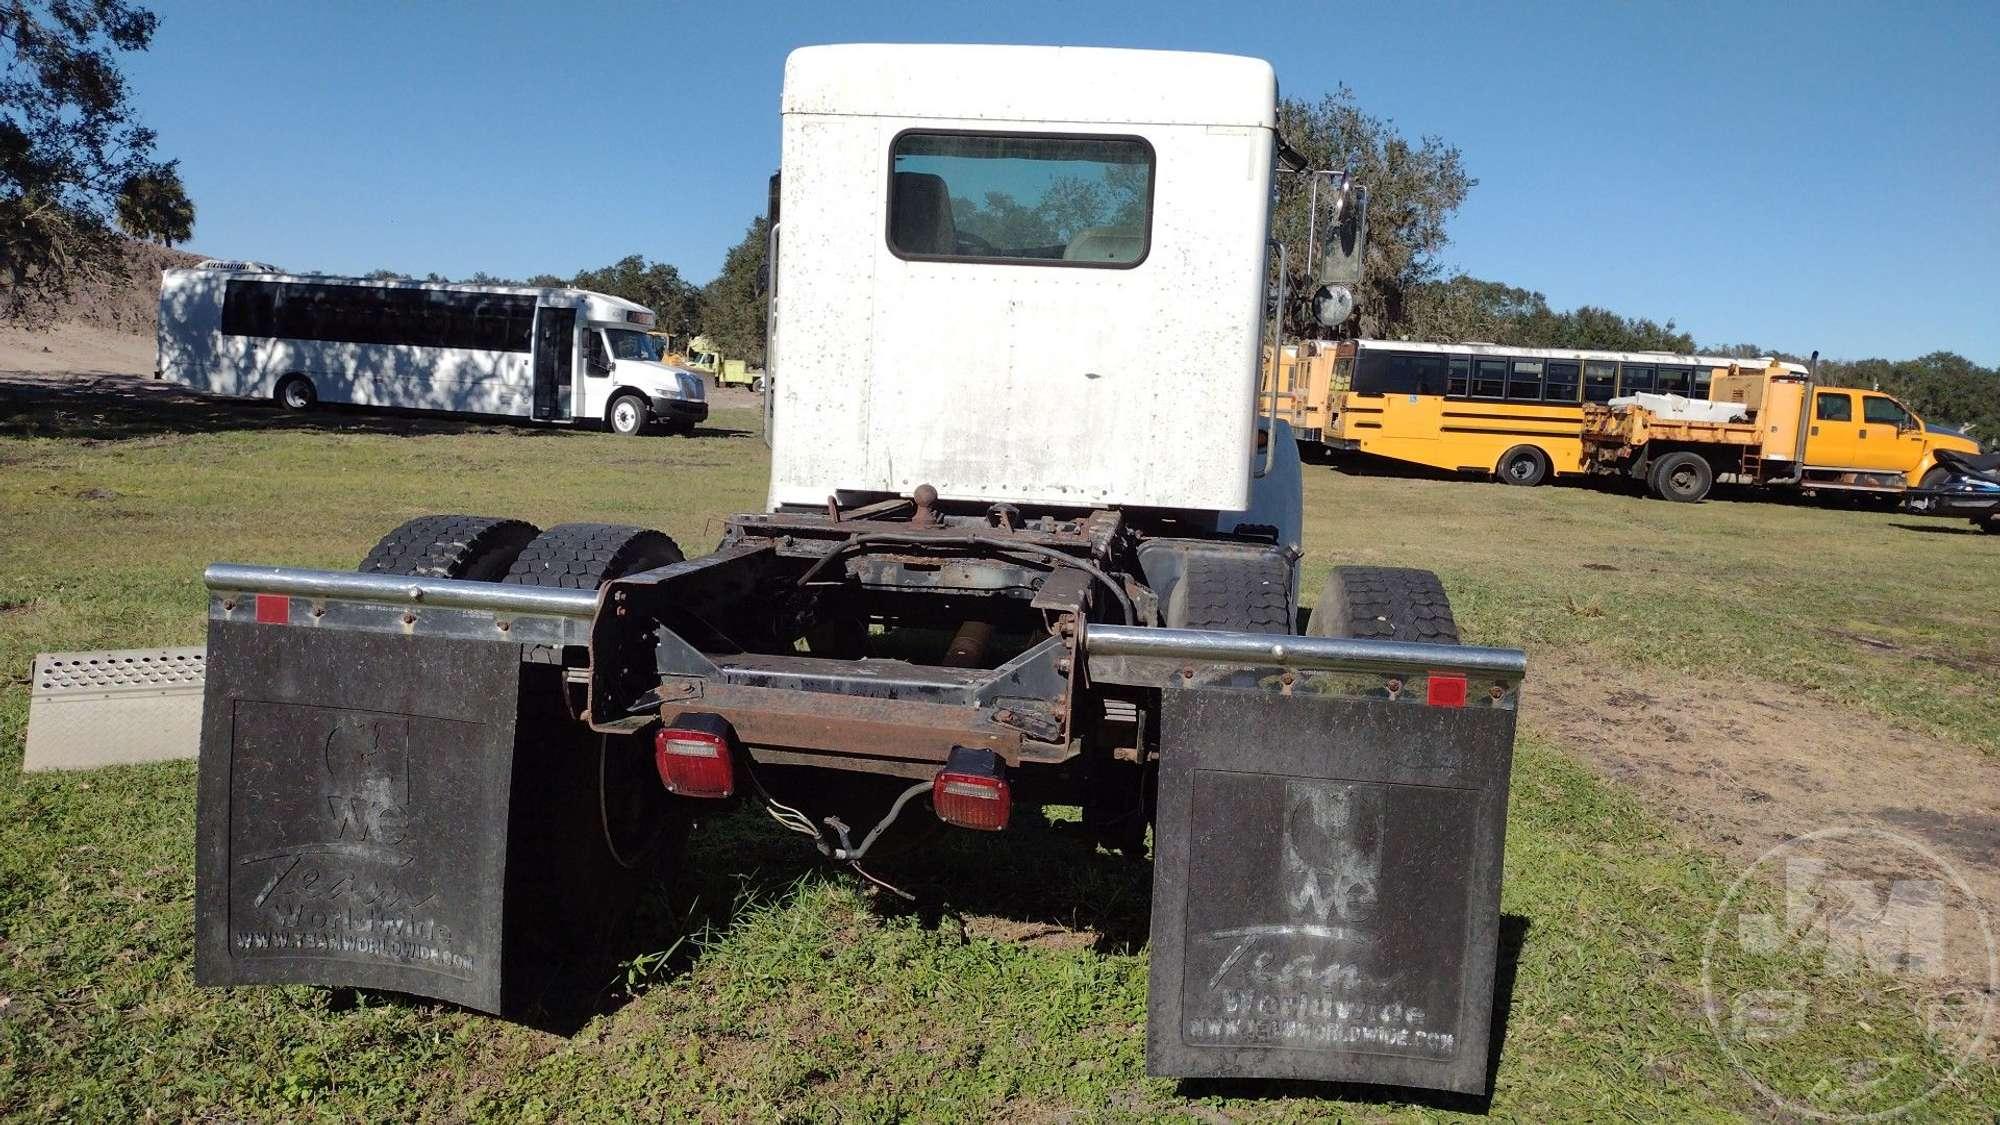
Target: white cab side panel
x=1034 y=383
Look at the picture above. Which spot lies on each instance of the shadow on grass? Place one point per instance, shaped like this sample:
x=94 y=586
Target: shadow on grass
x=1941 y=528
x=112 y=408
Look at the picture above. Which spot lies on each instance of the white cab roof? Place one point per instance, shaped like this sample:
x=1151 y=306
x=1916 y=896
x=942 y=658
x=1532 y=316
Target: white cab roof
x=1097 y=85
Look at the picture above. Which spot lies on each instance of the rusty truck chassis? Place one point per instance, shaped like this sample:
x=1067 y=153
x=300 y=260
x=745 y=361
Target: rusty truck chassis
x=877 y=639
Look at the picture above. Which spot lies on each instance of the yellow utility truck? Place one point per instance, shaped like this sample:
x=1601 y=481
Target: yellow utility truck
x=1768 y=425
x=706 y=357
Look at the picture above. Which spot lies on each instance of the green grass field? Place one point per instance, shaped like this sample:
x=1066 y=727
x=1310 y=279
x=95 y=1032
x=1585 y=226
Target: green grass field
x=1021 y=992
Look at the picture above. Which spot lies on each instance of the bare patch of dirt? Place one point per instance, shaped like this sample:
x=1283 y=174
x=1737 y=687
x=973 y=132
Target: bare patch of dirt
x=1745 y=765
x=1017 y=932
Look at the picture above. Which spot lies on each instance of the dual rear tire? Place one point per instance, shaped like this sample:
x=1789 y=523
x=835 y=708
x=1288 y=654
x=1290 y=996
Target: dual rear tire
x=572 y=556
x=1681 y=477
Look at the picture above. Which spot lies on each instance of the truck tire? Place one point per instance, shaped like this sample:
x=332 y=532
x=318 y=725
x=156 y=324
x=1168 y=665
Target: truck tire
x=474 y=547
x=1243 y=592
x=1934 y=477
x=1384 y=603
x=295 y=393
x=627 y=414
x=1681 y=477
x=1523 y=465
x=584 y=556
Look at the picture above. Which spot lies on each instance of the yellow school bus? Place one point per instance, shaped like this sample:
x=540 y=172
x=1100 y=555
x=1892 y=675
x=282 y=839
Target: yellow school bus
x=1511 y=413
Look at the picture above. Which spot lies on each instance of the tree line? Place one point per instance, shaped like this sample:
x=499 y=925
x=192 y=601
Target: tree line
x=77 y=167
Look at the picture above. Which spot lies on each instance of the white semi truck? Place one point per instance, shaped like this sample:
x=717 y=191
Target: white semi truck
x=1017 y=551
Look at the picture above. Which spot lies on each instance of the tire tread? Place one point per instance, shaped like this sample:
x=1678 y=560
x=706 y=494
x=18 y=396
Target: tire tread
x=583 y=556
x=1385 y=603
x=450 y=546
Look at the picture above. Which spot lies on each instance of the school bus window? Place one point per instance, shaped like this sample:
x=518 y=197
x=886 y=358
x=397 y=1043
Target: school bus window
x=1637 y=380
x=1600 y=382
x=1674 y=381
x=1884 y=411
x=1459 y=383
x=1833 y=407
x=1561 y=382
x=1489 y=378
x=1526 y=381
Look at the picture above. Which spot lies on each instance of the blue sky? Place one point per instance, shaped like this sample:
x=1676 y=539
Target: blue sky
x=1802 y=176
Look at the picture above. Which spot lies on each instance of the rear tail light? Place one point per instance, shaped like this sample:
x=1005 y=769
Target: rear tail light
x=1445 y=691
x=695 y=755
x=971 y=790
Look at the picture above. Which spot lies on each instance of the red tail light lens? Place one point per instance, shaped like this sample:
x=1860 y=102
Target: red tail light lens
x=274 y=609
x=971 y=790
x=695 y=757
x=1445 y=691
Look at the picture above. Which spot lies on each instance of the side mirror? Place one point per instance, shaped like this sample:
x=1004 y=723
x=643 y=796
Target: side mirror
x=1342 y=257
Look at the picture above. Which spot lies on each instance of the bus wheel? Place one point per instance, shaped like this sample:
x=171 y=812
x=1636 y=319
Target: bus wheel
x=295 y=392
x=1524 y=465
x=627 y=414
x=1682 y=477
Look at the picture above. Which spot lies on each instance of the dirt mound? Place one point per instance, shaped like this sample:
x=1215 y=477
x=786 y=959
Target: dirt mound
x=128 y=304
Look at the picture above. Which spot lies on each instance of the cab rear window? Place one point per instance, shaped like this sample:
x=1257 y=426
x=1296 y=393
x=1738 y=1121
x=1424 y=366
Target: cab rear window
x=1021 y=197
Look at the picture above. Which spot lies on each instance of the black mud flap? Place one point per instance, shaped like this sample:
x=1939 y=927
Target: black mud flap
x=1327 y=889
x=408 y=813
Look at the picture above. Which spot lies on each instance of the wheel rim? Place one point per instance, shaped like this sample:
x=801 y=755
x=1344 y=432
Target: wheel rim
x=295 y=394
x=624 y=416
x=1681 y=479
x=1521 y=469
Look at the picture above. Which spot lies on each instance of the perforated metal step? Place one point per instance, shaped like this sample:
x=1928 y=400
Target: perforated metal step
x=114 y=706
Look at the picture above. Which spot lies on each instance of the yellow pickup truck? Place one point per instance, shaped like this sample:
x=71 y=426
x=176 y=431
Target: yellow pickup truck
x=1766 y=426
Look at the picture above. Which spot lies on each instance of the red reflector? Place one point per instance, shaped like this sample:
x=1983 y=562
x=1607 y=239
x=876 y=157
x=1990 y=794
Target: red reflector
x=1445 y=691
x=274 y=609
x=971 y=790
x=694 y=763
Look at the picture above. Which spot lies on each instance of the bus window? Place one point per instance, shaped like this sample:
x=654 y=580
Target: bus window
x=1525 y=383
x=1636 y=380
x=1600 y=381
x=1561 y=382
x=1701 y=377
x=1459 y=384
x=1489 y=379
x=1399 y=373
x=1674 y=381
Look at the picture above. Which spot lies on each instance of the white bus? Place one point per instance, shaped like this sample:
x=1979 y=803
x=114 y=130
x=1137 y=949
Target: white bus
x=551 y=355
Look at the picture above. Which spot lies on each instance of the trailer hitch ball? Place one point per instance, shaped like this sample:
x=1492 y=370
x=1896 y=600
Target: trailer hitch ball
x=696 y=755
